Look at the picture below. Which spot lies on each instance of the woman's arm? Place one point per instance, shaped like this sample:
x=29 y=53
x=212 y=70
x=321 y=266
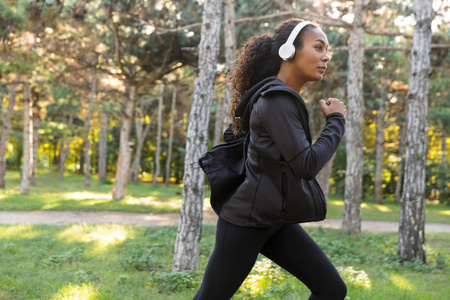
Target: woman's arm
x=280 y=117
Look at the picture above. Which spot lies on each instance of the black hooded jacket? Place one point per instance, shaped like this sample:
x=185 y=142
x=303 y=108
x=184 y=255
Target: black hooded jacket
x=281 y=162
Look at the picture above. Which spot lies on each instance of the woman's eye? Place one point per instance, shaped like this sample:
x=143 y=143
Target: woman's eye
x=319 y=47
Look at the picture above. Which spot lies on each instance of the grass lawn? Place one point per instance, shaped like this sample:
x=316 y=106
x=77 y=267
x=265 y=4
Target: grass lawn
x=111 y=261
x=71 y=194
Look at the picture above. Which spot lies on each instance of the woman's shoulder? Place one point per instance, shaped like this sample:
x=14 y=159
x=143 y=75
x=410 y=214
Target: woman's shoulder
x=273 y=101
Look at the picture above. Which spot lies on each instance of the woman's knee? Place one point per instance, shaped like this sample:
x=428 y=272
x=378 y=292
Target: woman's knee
x=336 y=290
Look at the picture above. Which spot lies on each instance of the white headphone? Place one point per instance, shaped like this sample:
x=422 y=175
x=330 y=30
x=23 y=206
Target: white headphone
x=287 y=50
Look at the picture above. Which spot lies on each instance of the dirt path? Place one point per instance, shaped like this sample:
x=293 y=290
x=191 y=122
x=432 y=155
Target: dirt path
x=209 y=217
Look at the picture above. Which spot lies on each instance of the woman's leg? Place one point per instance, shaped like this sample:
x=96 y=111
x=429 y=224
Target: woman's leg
x=233 y=257
x=296 y=252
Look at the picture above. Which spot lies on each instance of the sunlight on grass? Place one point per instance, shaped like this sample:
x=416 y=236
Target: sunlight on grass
x=401 y=282
x=444 y=212
x=382 y=208
x=364 y=205
x=87 y=195
x=263 y=274
x=336 y=202
x=102 y=236
x=77 y=292
x=153 y=201
x=19 y=231
x=356 y=278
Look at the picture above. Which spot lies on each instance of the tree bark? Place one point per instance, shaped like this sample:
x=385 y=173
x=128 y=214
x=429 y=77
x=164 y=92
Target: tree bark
x=119 y=190
x=411 y=235
x=27 y=139
x=172 y=124
x=187 y=244
x=354 y=139
x=324 y=177
x=158 y=137
x=380 y=146
x=36 y=125
x=220 y=120
x=103 y=147
x=230 y=57
x=87 y=141
x=401 y=164
x=64 y=149
x=5 y=132
x=443 y=163
x=141 y=134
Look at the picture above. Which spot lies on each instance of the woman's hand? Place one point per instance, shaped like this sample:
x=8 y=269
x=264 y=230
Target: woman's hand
x=333 y=105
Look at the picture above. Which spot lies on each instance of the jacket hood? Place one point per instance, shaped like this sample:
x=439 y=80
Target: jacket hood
x=267 y=85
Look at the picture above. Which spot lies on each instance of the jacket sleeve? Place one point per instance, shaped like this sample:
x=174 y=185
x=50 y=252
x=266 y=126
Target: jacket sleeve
x=280 y=117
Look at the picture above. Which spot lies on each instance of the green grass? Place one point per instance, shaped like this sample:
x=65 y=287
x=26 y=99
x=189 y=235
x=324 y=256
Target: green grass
x=131 y=262
x=70 y=194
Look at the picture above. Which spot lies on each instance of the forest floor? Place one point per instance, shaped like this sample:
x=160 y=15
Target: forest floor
x=171 y=219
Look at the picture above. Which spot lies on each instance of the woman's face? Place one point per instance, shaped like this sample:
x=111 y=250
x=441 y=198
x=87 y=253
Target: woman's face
x=310 y=62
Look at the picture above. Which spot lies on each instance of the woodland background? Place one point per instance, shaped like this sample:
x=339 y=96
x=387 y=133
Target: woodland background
x=87 y=80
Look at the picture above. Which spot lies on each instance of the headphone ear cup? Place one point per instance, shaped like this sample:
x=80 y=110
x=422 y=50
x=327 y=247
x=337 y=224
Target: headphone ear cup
x=287 y=52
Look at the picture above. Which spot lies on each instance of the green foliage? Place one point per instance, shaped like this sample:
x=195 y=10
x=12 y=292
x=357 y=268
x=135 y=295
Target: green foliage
x=74 y=255
x=84 y=260
x=139 y=257
x=170 y=282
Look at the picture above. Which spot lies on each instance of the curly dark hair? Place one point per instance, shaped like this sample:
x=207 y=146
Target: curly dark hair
x=258 y=59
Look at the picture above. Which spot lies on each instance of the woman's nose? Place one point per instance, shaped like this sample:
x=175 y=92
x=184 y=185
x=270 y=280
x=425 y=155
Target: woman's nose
x=326 y=57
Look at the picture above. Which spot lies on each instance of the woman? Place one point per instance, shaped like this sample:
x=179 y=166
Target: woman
x=271 y=70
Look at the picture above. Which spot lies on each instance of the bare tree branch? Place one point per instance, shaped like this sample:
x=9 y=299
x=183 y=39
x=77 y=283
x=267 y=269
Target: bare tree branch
x=433 y=46
x=307 y=15
x=117 y=52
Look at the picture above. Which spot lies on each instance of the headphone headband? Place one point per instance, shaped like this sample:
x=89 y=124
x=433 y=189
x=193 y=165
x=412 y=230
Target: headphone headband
x=287 y=50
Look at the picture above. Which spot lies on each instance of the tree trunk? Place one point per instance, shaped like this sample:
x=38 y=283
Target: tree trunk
x=401 y=164
x=103 y=147
x=158 y=137
x=27 y=139
x=64 y=149
x=2 y=94
x=354 y=139
x=36 y=125
x=5 y=132
x=324 y=177
x=87 y=142
x=443 y=164
x=141 y=135
x=230 y=56
x=187 y=244
x=411 y=235
x=119 y=190
x=170 y=146
x=380 y=147
x=220 y=120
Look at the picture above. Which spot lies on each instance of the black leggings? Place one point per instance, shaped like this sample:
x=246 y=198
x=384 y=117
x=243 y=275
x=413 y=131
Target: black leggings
x=289 y=246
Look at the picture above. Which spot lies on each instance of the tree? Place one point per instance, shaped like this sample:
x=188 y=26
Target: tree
x=27 y=139
x=411 y=237
x=158 y=136
x=354 y=139
x=380 y=146
x=230 y=56
x=187 y=244
x=87 y=141
x=6 y=130
x=102 y=144
x=170 y=142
